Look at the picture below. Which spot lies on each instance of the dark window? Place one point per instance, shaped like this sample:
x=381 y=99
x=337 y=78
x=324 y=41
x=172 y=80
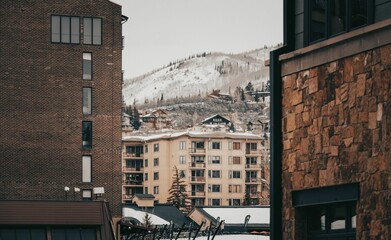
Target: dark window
x=337 y=220
x=156 y=162
x=146 y=148
x=87 y=135
x=87 y=66
x=146 y=163
x=73 y=233
x=234 y=202
x=25 y=233
x=216 y=202
x=215 y=145
x=234 y=174
x=214 y=173
x=146 y=176
x=65 y=29
x=87 y=101
x=92 y=28
x=214 y=159
x=328 y=18
x=156 y=176
x=156 y=147
x=216 y=188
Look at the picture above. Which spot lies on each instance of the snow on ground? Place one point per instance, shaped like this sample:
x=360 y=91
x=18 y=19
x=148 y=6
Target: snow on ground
x=237 y=215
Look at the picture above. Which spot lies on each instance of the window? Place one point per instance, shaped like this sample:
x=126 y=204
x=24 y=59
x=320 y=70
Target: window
x=146 y=176
x=197 y=159
x=215 y=202
x=236 y=160
x=92 y=28
x=251 y=146
x=65 y=29
x=338 y=220
x=216 y=188
x=182 y=145
x=234 y=174
x=156 y=162
x=214 y=159
x=214 y=173
x=234 y=202
x=156 y=147
x=25 y=233
x=156 y=190
x=214 y=145
x=328 y=18
x=87 y=101
x=86 y=169
x=87 y=194
x=236 y=145
x=146 y=148
x=87 y=66
x=87 y=135
x=235 y=188
x=146 y=190
x=156 y=176
x=182 y=159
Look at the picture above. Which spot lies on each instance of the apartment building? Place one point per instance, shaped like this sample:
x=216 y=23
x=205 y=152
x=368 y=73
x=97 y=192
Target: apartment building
x=60 y=101
x=331 y=172
x=218 y=167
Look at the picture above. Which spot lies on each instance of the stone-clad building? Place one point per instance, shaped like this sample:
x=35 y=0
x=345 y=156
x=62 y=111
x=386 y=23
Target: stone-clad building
x=60 y=101
x=331 y=115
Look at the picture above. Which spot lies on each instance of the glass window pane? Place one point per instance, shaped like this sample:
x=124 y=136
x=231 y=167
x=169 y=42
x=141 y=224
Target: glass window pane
x=58 y=234
x=73 y=233
x=87 y=194
x=318 y=20
x=65 y=30
x=87 y=134
x=359 y=13
x=338 y=218
x=87 y=66
x=317 y=220
x=337 y=16
x=97 y=29
x=55 y=28
x=38 y=234
x=86 y=169
x=87 y=30
x=353 y=216
x=87 y=106
x=88 y=234
x=75 y=30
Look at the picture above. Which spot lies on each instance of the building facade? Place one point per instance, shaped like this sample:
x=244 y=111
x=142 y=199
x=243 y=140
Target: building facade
x=218 y=168
x=60 y=111
x=331 y=174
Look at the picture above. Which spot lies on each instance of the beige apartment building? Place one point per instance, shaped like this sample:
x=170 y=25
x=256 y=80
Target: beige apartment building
x=218 y=167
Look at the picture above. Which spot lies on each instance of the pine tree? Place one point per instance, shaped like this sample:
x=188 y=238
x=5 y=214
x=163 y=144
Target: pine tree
x=247 y=198
x=147 y=222
x=177 y=193
x=136 y=123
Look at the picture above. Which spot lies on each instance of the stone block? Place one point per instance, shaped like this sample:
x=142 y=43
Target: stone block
x=372 y=120
x=360 y=87
x=291 y=122
x=347 y=70
x=333 y=151
x=379 y=113
x=332 y=67
x=335 y=140
x=358 y=63
x=385 y=53
x=313 y=85
x=352 y=94
x=348 y=141
x=363 y=117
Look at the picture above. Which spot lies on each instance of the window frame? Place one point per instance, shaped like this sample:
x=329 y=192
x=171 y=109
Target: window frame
x=90 y=101
x=91 y=67
x=92 y=30
x=88 y=178
x=235 y=147
x=156 y=176
x=85 y=146
x=156 y=147
x=156 y=162
x=60 y=30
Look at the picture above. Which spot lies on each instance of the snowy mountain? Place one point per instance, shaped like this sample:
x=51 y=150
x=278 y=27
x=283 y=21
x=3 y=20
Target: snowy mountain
x=199 y=75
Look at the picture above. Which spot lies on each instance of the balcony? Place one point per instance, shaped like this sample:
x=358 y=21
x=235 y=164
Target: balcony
x=197 y=194
x=132 y=155
x=197 y=179
x=253 y=166
x=253 y=180
x=132 y=182
x=132 y=169
x=197 y=150
x=253 y=152
x=197 y=165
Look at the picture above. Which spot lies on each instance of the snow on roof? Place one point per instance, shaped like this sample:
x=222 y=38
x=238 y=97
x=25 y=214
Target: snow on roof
x=208 y=118
x=139 y=215
x=143 y=138
x=236 y=215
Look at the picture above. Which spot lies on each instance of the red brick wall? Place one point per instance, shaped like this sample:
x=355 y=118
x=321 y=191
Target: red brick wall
x=41 y=102
x=337 y=130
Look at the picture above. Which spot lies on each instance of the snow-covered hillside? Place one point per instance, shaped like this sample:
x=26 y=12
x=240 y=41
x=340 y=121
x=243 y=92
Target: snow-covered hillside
x=199 y=75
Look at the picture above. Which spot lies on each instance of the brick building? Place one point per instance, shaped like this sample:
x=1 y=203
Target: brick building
x=331 y=110
x=60 y=101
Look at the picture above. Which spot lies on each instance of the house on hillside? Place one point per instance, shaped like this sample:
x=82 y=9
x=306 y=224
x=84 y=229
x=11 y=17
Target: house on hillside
x=157 y=119
x=216 y=120
x=222 y=96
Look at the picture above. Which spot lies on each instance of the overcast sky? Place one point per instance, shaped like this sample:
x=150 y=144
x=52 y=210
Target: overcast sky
x=160 y=31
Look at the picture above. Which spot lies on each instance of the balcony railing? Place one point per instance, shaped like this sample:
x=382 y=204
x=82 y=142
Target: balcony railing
x=197 y=150
x=132 y=155
x=198 y=194
x=197 y=179
x=132 y=182
x=253 y=166
x=253 y=180
x=253 y=152
x=132 y=169
x=197 y=165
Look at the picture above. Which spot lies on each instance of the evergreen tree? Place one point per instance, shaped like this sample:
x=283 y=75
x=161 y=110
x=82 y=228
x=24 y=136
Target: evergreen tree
x=249 y=87
x=147 y=222
x=247 y=198
x=242 y=97
x=135 y=120
x=177 y=193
